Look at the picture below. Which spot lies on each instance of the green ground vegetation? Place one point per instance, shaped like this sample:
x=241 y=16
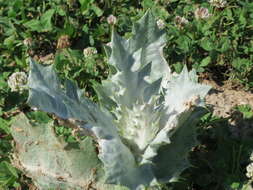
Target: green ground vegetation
x=58 y=31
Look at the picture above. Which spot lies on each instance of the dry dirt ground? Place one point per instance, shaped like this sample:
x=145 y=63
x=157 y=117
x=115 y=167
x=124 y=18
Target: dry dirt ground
x=223 y=99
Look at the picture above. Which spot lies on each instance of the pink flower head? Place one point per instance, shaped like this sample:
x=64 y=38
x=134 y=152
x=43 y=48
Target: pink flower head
x=111 y=20
x=202 y=13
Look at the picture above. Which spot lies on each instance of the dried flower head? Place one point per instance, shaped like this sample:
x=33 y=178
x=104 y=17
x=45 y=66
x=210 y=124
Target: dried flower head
x=181 y=21
x=111 y=19
x=202 y=13
x=89 y=51
x=160 y=23
x=63 y=42
x=28 y=42
x=48 y=59
x=218 y=3
x=17 y=81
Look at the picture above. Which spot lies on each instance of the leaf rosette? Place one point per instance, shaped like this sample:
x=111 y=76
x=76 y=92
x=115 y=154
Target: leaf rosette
x=144 y=124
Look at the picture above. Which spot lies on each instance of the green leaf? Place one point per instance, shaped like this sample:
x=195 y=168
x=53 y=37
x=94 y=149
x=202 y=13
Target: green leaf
x=10 y=169
x=19 y=62
x=8 y=174
x=4 y=125
x=85 y=5
x=207 y=44
x=69 y=29
x=225 y=45
x=97 y=10
x=235 y=185
x=242 y=64
x=242 y=18
x=34 y=25
x=229 y=14
x=205 y=61
x=44 y=23
x=198 y=67
x=246 y=110
x=178 y=67
x=7 y=25
x=9 y=41
x=3 y=78
x=184 y=43
x=45 y=20
x=146 y=4
x=61 y=11
x=40 y=117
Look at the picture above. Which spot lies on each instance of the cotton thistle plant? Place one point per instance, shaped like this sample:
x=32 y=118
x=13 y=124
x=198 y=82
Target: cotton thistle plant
x=143 y=126
x=17 y=81
x=202 y=13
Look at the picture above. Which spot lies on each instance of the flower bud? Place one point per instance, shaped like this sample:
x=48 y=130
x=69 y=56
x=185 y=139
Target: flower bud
x=111 y=20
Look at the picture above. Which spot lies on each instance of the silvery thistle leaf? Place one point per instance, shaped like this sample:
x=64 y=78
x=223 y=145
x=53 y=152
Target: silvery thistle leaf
x=183 y=107
x=145 y=122
x=52 y=163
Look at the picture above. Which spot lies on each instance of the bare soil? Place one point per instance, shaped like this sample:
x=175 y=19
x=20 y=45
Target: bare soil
x=223 y=99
